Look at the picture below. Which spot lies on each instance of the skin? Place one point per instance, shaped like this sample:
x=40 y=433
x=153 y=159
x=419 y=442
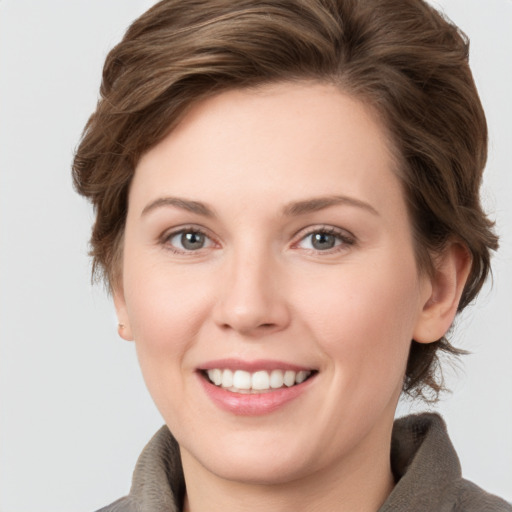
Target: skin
x=259 y=289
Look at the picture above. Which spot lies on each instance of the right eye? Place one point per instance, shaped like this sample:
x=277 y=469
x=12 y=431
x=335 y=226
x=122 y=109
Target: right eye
x=188 y=240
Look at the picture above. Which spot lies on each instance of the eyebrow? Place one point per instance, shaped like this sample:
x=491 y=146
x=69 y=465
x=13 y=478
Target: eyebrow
x=320 y=203
x=292 y=209
x=184 y=204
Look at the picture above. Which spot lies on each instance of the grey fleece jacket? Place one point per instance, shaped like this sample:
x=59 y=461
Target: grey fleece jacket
x=423 y=459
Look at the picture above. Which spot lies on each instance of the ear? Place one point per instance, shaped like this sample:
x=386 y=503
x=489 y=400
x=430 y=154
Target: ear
x=451 y=271
x=123 y=327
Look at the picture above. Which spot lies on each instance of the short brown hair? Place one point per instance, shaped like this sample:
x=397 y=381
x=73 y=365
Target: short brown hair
x=399 y=56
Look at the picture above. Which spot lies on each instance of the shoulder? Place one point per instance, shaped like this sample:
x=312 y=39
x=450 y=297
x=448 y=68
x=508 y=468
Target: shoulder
x=428 y=473
x=157 y=482
x=125 y=504
x=468 y=497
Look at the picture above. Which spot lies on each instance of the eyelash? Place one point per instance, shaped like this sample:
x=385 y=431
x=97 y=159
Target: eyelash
x=168 y=236
x=343 y=241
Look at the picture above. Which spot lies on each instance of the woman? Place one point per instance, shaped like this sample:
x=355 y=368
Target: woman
x=287 y=216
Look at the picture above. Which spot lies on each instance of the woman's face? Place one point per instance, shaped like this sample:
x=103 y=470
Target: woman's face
x=267 y=241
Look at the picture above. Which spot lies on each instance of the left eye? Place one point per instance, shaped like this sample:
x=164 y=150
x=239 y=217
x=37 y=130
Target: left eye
x=189 y=241
x=322 y=240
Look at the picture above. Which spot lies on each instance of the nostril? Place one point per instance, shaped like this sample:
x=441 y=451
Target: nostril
x=255 y=328
x=245 y=316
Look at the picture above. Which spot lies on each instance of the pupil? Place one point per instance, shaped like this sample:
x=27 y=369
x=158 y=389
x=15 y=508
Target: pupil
x=323 y=241
x=192 y=241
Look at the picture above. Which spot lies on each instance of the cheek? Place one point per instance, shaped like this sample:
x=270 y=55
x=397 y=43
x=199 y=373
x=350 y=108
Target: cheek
x=364 y=321
x=165 y=315
x=166 y=311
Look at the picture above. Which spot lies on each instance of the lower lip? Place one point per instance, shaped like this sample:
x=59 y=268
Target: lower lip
x=244 y=404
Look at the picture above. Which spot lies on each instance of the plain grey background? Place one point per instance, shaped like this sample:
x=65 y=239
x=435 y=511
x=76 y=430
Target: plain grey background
x=74 y=412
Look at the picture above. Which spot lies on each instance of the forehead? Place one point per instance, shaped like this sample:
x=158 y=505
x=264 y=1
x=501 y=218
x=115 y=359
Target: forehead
x=295 y=139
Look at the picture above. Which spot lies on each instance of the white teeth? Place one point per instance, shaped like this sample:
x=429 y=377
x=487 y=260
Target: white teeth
x=289 y=378
x=215 y=376
x=260 y=380
x=302 y=376
x=276 y=379
x=227 y=378
x=240 y=380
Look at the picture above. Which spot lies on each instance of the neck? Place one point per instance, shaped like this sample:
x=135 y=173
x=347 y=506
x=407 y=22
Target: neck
x=360 y=482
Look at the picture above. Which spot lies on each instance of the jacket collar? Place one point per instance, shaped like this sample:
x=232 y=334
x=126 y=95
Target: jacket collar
x=423 y=460
x=424 y=463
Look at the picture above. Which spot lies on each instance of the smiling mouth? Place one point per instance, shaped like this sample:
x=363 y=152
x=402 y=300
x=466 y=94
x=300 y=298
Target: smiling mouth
x=262 y=381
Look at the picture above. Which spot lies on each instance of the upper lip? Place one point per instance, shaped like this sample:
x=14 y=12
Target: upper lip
x=252 y=366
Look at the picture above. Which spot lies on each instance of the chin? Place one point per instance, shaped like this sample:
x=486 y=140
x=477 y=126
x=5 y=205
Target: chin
x=261 y=470
x=255 y=459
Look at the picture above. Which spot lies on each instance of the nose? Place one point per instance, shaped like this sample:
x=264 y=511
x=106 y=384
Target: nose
x=251 y=299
